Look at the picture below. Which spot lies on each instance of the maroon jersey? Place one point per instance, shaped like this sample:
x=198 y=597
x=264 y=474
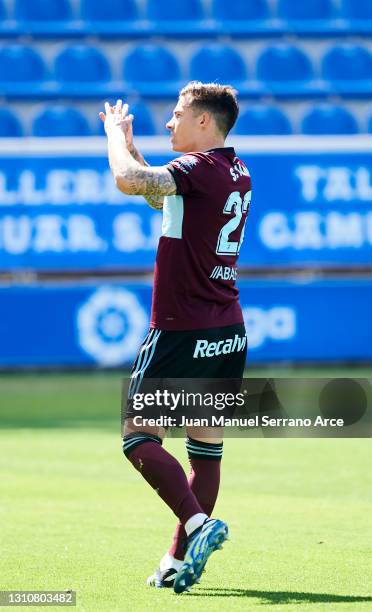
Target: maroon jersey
x=203 y=229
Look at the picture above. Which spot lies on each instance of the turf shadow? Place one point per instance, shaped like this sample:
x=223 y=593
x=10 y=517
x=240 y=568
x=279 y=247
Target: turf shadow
x=279 y=597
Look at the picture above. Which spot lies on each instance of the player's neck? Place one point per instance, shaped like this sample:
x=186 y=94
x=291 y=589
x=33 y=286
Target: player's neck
x=210 y=143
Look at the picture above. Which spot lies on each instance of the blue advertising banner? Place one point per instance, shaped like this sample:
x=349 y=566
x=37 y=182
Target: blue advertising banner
x=65 y=213
x=59 y=208
x=103 y=324
x=310 y=209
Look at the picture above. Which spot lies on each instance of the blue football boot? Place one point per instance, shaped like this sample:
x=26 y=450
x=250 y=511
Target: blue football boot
x=201 y=544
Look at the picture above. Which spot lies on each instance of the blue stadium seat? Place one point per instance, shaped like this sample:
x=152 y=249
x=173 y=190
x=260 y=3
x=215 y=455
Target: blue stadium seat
x=306 y=9
x=143 y=124
x=3 y=14
x=42 y=10
x=60 y=121
x=347 y=62
x=328 y=119
x=20 y=64
x=370 y=125
x=217 y=63
x=283 y=62
x=263 y=120
x=113 y=10
x=159 y=10
x=9 y=124
x=357 y=9
x=81 y=63
x=240 y=9
x=150 y=63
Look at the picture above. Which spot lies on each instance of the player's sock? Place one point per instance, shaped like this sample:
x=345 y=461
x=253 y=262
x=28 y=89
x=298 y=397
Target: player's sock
x=168 y=561
x=164 y=576
x=163 y=472
x=204 y=481
x=195 y=522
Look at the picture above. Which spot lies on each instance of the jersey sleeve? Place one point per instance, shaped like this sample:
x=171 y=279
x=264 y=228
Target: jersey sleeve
x=191 y=173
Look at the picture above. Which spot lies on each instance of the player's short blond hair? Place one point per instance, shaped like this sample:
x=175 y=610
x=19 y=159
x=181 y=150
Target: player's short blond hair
x=219 y=100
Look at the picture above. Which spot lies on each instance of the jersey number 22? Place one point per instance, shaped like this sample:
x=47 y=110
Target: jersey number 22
x=237 y=207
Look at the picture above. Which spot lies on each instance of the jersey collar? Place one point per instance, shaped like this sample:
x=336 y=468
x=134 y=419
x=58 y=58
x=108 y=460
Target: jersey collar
x=222 y=150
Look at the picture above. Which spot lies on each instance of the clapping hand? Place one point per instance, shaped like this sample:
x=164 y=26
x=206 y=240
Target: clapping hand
x=117 y=116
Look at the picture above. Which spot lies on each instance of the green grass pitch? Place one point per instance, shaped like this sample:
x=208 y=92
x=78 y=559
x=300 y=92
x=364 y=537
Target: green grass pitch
x=74 y=514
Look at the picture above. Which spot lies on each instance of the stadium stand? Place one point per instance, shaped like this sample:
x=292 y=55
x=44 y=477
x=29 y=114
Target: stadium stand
x=263 y=120
x=360 y=9
x=347 y=62
x=240 y=9
x=20 y=64
x=328 y=119
x=89 y=50
x=284 y=62
x=145 y=18
x=81 y=63
x=158 y=10
x=300 y=67
x=151 y=64
x=60 y=121
x=114 y=10
x=9 y=124
x=217 y=62
x=306 y=9
x=144 y=124
x=42 y=10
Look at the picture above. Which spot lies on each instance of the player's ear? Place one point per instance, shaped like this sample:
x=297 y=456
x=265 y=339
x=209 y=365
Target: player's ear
x=204 y=119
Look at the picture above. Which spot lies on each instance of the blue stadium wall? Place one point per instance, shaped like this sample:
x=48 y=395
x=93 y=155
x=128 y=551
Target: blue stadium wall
x=61 y=214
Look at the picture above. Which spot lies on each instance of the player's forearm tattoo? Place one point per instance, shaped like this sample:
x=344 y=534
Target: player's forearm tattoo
x=137 y=156
x=133 y=178
x=149 y=181
x=154 y=202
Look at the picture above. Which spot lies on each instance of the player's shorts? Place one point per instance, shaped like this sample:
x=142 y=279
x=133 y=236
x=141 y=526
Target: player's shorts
x=216 y=353
x=219 y=352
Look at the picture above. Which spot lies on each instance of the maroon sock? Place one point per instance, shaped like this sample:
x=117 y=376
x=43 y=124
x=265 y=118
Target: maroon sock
x=163 y=472
x=204 y=481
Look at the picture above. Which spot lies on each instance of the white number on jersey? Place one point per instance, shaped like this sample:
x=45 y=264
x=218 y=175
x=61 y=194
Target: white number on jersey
x=234 y=206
